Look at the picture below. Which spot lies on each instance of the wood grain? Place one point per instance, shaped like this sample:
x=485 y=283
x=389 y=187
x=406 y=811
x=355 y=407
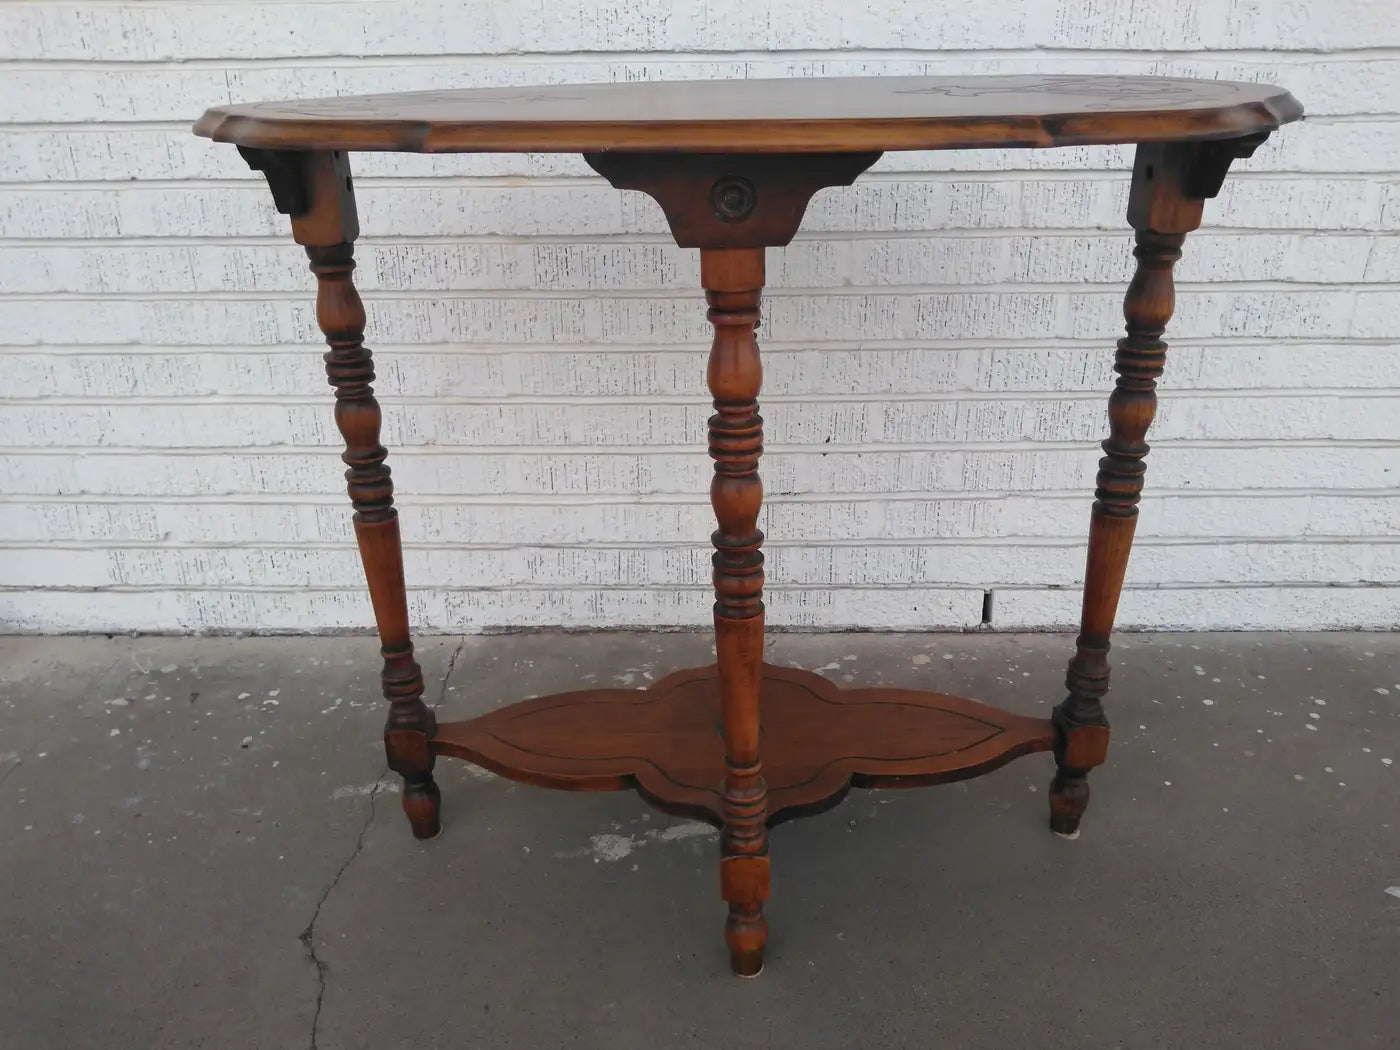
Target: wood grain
x=730 y=200
x=743 y=744
x=733 y=280
x=817 y=741
x=350 y=369
x=317 y=191
x=766 y=116
x=1166 y=201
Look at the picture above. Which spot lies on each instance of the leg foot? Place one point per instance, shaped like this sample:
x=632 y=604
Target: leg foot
x=744 y=886
x=1079 y=747
x=746 y=933
x=410 y=757
x=422 y=802
x=1069 y=797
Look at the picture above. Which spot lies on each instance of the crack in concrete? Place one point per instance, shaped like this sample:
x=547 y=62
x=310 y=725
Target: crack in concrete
x=447 y=675
x=9 y=772
x=308 y=935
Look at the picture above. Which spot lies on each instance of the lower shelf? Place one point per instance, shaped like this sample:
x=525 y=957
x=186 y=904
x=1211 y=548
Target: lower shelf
x=665 y=741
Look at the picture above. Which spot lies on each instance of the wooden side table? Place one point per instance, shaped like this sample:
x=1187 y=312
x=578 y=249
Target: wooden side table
x=733 y=165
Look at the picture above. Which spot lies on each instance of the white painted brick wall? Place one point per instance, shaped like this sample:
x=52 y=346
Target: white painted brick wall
x=937 y=341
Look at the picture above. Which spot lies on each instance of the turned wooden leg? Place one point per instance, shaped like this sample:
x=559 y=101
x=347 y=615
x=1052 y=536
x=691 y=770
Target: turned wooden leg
x=350 y=369
x=1081 y=729
x=732 y=207
x=733 y=280
x=315 y=189
x=1170 y=184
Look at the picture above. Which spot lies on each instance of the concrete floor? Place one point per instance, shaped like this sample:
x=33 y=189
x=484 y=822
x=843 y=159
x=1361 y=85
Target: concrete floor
x=200 y=851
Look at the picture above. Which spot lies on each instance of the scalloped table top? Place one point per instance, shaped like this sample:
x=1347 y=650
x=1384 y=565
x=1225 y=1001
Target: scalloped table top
x=766 y=116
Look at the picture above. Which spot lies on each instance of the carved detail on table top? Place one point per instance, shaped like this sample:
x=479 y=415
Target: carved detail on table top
x=1089 y=92
x=411 y=101
x=816 y=740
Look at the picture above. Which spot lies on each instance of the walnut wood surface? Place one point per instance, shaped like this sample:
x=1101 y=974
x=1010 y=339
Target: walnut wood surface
x=733 y=164
x=733 y=280
x=766 y=116
x=1165 y=202
x=731 y=200
x=350 y=369
x=327 y=225
x=817 y=741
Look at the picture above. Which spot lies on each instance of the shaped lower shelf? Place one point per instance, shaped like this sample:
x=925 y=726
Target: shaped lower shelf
x=818 y=741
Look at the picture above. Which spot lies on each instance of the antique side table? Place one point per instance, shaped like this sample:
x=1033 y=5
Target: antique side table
x=733 y=165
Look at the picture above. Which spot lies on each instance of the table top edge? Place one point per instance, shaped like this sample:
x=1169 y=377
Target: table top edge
x=753 y=135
